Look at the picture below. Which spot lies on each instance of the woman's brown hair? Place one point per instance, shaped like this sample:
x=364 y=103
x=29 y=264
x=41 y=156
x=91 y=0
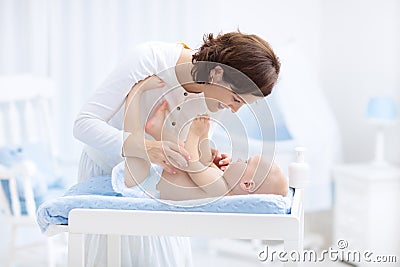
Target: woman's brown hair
x=246 y=53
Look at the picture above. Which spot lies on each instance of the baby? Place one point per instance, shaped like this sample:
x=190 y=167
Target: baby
x=201 y=178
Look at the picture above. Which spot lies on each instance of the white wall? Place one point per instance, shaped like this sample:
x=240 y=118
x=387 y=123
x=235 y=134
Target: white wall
x=78 y=42
x=360 y=58
x=353 y=43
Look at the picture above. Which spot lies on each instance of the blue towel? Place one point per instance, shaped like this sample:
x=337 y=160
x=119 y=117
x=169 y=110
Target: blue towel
x=97 y=193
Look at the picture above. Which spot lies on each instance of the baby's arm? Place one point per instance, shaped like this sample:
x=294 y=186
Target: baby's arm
x=207 y=178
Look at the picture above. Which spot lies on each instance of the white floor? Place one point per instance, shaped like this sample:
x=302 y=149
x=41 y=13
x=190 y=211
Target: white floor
x=228 y=253
x=239 y=253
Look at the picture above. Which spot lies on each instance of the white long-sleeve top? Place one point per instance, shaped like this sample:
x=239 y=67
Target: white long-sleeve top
x=99 y=123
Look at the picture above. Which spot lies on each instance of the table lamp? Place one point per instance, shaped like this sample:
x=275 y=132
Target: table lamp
x=382 y=112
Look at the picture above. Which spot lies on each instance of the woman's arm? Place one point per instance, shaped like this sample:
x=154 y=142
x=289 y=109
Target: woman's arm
x=91 y=125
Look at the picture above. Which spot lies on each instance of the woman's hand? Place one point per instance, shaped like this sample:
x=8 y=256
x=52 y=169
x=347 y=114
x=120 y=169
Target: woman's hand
x=221 y=160
x=167 y=154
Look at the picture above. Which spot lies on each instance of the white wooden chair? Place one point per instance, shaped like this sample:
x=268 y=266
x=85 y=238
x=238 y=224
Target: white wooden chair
x=25 y=103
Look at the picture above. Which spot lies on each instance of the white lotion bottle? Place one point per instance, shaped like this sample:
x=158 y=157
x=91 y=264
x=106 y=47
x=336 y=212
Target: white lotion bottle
x=299 y=170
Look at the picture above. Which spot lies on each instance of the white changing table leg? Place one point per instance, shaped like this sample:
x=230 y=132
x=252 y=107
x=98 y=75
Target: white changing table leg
x=113 y=250
x=76 y=250
x=295 y=244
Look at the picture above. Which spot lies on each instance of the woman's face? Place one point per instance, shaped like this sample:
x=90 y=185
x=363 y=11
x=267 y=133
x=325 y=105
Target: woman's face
x=221 y=96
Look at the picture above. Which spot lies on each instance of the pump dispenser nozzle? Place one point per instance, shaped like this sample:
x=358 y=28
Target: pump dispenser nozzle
x=300 y=154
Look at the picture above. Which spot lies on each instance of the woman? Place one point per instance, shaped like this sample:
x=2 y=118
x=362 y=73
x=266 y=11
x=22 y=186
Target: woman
x=100 y=122
x=202 y=178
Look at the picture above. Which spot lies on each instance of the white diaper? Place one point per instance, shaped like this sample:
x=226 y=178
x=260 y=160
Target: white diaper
x=146 y=189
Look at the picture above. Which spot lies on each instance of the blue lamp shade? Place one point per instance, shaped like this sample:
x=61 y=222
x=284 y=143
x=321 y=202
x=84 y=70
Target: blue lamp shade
x=382 y=108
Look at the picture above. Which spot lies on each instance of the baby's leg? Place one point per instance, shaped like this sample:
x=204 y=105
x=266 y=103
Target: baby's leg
x=155 y=123
x=198 y=133
x=136 y=171
x=205 y=149
x=206 y=177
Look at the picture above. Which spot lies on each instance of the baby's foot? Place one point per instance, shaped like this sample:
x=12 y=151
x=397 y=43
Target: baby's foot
x=200 y=125
x=155 y=123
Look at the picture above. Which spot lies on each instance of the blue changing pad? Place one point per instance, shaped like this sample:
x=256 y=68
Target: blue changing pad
x=97 y=193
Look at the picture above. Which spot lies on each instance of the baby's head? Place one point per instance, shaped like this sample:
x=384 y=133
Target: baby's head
x=257 y=175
